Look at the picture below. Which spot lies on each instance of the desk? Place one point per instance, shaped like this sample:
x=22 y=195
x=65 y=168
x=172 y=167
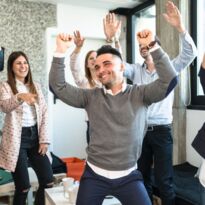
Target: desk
x=54 y=196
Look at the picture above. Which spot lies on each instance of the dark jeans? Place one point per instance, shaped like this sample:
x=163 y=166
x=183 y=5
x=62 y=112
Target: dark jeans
x=157 y=150
x=94 y=188
x=202 y=195
x=40 y=164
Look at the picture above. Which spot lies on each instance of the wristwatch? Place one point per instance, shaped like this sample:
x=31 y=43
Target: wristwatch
x=152 y=44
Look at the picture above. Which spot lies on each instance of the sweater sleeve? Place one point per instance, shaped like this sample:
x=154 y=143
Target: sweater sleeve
x=69 y=94
x=8 y=101
x=77 y=72
x=160 y=88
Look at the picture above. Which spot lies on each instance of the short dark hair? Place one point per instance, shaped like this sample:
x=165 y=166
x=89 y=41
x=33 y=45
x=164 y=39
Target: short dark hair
x=108 y=49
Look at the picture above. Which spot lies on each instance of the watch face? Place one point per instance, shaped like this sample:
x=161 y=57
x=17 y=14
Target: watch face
x=152 y=44
x=1 y=58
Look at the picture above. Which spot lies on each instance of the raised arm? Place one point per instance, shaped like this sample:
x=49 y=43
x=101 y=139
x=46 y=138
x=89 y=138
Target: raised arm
x=75 y=58
x=188 y=51
x=167 y=80
x=67 y=93
x=112 y=30
x=202 y=73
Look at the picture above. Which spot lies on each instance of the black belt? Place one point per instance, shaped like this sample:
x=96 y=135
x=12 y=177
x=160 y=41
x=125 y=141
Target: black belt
x=151 y=128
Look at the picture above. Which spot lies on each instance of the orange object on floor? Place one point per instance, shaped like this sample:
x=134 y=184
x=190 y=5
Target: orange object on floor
x=75 y=167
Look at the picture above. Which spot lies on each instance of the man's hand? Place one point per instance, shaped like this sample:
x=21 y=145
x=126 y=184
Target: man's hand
x=43 y=147
x=63 y=42
x=112 y=27
x=145 y=37
x=29 y=98
x=78 y=39
x=203 y=62
x=173 y=16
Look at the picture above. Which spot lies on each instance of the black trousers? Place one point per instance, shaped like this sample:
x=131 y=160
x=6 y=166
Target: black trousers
x=157 y=150
x=129 y=189
x=40 y=164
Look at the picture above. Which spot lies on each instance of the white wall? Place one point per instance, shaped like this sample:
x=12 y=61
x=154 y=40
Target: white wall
x=88 y=20
x=67 y=124
x=194 y=121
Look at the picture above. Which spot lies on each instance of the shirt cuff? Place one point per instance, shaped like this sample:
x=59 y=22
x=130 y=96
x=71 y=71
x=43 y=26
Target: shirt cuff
x=59 y=55
x=154 y=48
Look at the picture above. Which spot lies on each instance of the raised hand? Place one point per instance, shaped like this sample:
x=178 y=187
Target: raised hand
x=173 y=16
x=112 y=26
x=63 y=42
x=145 y=37
x=29 y=98
x=78 y=39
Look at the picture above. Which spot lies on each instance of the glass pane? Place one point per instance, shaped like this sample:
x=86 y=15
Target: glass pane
x=145 y=19
x=200 y=39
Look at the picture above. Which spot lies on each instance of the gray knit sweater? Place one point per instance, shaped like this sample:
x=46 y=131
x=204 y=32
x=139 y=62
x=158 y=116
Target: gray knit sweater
x=117 y=123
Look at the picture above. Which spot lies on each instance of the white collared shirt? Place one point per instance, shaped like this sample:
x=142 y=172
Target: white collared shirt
x=29 y=113
x=108 y=91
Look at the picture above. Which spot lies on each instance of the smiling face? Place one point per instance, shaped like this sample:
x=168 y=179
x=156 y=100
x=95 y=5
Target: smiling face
x=144 y=51
x=20 y=68
x=109 y=70
x=91 y=61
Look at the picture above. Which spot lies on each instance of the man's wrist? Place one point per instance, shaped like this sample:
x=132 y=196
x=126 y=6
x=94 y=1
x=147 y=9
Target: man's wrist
x=151 y=44
x=181 y=29
x=112 y=40
x=109 y=40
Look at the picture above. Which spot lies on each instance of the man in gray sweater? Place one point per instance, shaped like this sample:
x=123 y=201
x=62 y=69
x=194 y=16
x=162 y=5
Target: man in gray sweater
x=117 y=114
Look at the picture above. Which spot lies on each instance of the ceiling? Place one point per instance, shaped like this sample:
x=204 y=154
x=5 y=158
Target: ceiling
x=105 y=4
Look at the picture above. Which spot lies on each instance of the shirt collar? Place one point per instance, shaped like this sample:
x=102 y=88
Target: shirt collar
x=144 y=66
x=109 y=91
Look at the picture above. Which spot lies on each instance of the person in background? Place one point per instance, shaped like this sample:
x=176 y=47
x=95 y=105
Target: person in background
x=202 y=74
x=25 y=134
x=117 y=114
x=158 y=142
x=86 y=79
x=202 y=145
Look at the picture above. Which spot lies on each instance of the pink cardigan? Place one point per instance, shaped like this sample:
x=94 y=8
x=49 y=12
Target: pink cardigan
x=11 y=132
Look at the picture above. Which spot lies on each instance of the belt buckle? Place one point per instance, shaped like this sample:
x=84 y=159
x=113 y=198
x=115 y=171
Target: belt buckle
x=150 y=128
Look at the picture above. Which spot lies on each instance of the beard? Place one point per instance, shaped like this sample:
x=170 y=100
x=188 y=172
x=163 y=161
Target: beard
x=108 y=85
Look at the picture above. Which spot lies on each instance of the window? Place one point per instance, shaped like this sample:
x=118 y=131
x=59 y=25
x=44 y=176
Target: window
x=144 y=19
x=198 y=33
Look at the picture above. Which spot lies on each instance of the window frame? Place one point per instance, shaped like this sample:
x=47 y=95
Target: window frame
x=130 y=34
x=197 y=101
